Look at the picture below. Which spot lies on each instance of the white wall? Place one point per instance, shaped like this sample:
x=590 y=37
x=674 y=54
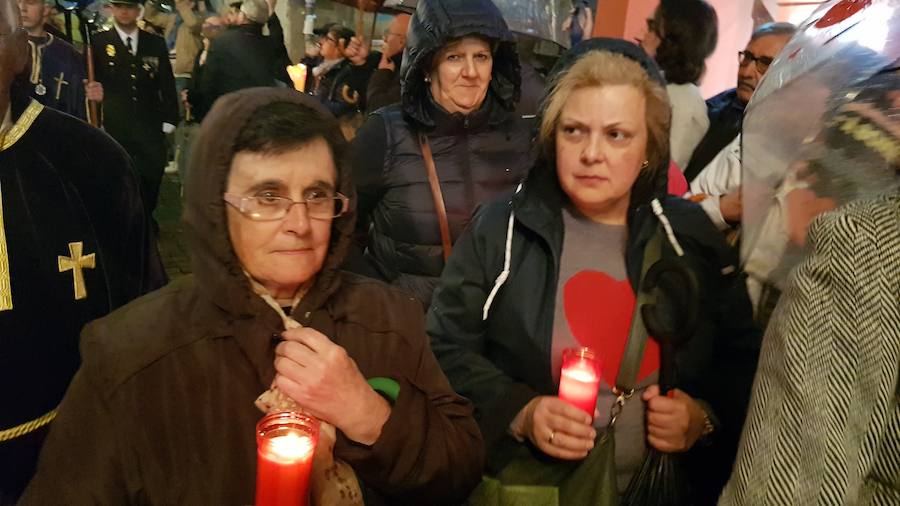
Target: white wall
x=735 y=27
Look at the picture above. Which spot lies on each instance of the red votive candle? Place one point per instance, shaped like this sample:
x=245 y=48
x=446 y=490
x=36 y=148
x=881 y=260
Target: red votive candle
x=579 y=380
x=285 y=444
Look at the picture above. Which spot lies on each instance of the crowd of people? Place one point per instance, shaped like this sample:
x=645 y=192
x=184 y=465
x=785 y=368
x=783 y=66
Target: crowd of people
x=442 y=216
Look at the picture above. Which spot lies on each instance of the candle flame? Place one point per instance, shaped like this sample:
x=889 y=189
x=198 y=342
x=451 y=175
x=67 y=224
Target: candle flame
x=291 y=446
x=582 y=374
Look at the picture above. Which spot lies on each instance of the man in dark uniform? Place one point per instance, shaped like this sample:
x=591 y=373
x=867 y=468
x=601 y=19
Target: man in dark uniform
x=57 y=70
x=139 y=100
x=74 y=245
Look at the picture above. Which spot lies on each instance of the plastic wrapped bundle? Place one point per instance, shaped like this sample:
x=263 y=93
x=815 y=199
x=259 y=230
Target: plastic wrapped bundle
x=821 y=130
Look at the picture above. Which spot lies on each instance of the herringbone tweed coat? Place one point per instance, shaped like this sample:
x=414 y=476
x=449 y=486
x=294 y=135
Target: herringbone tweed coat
x=824 y=421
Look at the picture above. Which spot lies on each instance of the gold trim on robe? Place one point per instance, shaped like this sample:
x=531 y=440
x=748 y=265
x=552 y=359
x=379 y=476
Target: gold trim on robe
x=27 y=427
x=6 y=141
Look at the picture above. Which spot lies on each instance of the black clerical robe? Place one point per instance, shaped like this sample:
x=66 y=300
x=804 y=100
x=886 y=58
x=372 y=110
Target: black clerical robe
x=57 y=75
x=74 y=245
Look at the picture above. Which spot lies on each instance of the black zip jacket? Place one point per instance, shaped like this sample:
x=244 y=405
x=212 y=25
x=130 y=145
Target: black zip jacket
x=504 y=361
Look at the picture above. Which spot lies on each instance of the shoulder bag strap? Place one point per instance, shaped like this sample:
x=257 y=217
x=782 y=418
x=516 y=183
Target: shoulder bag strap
x=637 y=335
x=436 y=194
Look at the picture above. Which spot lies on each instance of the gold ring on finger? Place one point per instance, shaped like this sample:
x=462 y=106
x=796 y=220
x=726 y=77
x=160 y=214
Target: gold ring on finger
x=552 y=434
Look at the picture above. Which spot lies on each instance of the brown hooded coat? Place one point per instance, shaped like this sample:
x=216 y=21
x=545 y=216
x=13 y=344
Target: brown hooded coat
x=162 y=410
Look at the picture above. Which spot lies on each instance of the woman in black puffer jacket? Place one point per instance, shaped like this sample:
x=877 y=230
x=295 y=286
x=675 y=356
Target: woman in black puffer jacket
x=460 y=84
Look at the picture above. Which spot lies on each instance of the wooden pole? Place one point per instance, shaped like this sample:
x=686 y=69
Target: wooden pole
x=93 y=115
x=372 y=30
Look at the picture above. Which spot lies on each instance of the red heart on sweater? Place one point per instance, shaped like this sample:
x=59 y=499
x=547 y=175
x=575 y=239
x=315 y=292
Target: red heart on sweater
x=598 y=310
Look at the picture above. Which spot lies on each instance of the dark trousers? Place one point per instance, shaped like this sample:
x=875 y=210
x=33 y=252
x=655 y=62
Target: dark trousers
x=150 y=157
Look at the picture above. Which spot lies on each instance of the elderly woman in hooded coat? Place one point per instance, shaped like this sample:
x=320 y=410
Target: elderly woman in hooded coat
x=558 y=264
x=460 y=83
x=163 y=409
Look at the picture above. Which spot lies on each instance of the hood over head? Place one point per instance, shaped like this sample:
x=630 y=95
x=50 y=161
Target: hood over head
x=543 y=173
x=218 y=272
x=437 y=22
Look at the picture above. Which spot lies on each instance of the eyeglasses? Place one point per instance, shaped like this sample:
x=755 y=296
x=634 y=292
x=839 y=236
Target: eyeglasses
x=388 y=33
x=329 y=39
x=271 y=208
x=762 y=62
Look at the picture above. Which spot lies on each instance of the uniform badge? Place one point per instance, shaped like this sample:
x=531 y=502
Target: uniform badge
x=111 y=50
x=40 y=89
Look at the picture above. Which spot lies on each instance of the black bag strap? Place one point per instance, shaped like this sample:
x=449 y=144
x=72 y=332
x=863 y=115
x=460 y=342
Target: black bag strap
x=637 y=335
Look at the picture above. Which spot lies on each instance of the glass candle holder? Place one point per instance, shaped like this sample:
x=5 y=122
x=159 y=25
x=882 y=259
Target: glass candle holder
x=285 y=444
x=297 y=73
x=579 y=380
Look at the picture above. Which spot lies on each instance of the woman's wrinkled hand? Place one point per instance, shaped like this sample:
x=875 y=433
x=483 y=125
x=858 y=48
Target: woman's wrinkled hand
x=674 y=424
x=322 y=378
x=557 y=428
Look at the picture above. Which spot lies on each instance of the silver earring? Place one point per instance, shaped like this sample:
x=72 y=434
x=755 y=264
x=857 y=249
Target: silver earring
x=645 y=164
x=427 y=79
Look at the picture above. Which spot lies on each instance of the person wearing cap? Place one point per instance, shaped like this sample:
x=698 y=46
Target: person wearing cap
x=139 y=101
x=242 y=57
x=57 y=70
x=328 y=53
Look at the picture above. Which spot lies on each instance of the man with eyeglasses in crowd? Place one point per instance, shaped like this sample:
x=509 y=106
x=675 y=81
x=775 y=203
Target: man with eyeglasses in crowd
x=714 y=172
x=726 y=110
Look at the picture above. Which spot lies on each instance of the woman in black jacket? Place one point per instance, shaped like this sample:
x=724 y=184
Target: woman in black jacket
x=568 y=249
x=460 y=83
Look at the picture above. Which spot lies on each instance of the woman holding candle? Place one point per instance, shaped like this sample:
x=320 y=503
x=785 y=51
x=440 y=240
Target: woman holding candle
x=162 y=410
x=570 y=245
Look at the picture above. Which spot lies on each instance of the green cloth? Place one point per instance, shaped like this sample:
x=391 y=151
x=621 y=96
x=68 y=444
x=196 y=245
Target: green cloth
x=386 y=387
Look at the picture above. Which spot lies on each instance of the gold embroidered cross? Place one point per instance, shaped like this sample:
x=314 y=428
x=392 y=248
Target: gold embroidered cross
x=59 y=84
x=76 y=263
